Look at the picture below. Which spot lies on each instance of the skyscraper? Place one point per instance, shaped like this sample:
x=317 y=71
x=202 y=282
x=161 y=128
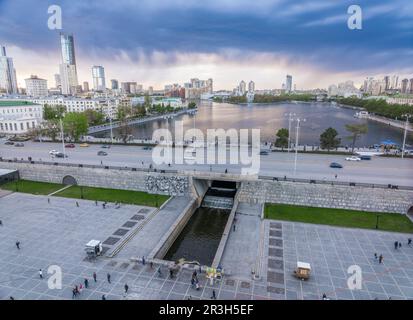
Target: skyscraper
x=98 y=75
x=8 y=81
x=242 y=88
x=289 y=83
x=85 y=86
x=251 y=86
x=68 y=72
x=387 y=82
x=411 y=85
x=114 y=84
x=405 y=86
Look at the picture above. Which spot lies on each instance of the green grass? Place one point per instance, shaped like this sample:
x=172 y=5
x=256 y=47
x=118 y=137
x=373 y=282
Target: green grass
x=114 y=195
x=33 y=187
x=339 y=217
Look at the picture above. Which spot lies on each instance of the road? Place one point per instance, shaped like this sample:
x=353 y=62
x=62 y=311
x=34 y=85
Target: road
x=309 y=166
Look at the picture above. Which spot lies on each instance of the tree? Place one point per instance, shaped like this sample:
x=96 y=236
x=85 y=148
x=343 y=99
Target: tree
x=191 y=105
x=94 y=117
x=356 y=130
x=50 y=112
x=50 y=129
x=282 y=138
x=75 y=125
x=329 y=140
x=124 y=127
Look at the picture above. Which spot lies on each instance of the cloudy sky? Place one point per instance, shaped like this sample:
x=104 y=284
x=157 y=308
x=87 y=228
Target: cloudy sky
x=156 y=42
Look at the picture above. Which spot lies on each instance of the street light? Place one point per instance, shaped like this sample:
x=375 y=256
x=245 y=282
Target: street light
x=111 y=129
x=296 y=143
x=290 y=120
x=407 y=116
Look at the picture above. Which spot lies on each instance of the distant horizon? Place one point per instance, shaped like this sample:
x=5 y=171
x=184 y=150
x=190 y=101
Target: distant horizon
x=158 y=43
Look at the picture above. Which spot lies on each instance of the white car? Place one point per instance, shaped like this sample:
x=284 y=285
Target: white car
x=353 y=158
x=53 y=152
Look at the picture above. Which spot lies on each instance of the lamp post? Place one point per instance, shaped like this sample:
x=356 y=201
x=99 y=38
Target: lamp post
x=296 y=143
x=111 y=129
x=290 y=120
x=407 y=116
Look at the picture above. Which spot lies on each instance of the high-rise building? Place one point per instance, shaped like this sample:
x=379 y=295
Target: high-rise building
x=68 y=72
x=86 y=86
x=405 y=86
x=394 y=82
x=114 y=84
x=98 y=75
x=411 y=85
x=242 y=88
x=251 y=86
x=387 y=82
x=36 y=87
x=289 y=83
x=8 y=81
x=57 y=80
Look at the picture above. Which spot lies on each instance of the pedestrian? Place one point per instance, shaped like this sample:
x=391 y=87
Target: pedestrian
x=409 y=241
x=233 y=227
x=108 y=276
x=80 y=288
x=226 y=170
x=48 y=200
x=192 y=282
x=73 y=293
x=96 y=202
x=381 y=259
x=77 y=204
x=126 y=288
x=18 y=244
x=40 y=273
x=400 y=245
x=143 y=260
x=197 y=286
x=103 y=297
x=76 y=290
x=335 y=176
x=213 y=295
x=94 y=276
x=171 y=273
x=101 y=162
x=159 y=271
x=1 y=223
x=151 y=265
x=11 y=298
x=375 y=256
x=324 y=296
x=86 y=282
x=396 y=245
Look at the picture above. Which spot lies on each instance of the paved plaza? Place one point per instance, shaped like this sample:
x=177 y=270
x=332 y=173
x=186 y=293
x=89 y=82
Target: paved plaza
x=55 y=234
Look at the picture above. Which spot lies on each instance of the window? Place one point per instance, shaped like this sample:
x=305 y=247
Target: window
x=15 y=127
x=27 y=125
x=21 y=126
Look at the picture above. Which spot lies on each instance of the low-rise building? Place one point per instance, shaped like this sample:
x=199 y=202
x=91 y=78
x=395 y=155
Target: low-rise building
x=36 y=87
x=18 y=117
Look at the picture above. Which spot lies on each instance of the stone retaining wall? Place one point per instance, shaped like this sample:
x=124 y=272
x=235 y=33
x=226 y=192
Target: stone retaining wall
x=327 y=196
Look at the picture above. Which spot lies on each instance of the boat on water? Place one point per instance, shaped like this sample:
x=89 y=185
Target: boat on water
x=361 y=114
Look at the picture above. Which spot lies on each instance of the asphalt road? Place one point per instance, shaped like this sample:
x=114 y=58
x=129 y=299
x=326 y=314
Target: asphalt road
x=310 y=166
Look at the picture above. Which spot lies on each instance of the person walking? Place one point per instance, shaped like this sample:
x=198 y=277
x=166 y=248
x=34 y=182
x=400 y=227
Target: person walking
x=375 y=256
x=18 y=244
x=409 y=241
x=143 y=260
x=96 y=202
x=80 y=288
x=400 y=245
x=48 y=200
x=233 y=227
x=213 y=295
x=103 y=297
x=94 y=276
x=73 y=293
x=86 y=282
x=40 y=273
x=381 y=259
x=171 y=273
x=77 y=204
x=126 y=288
x=396 y=245
x=108 y=276
x=159 y=271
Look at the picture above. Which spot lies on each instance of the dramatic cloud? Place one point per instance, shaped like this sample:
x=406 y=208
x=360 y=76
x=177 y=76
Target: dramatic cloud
x=156 y=41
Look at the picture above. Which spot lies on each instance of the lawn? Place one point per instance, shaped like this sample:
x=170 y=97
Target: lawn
x=339 y=217
x=114 y=195
x=33 y=187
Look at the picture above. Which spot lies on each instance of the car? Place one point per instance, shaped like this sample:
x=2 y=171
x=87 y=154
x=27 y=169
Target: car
x=10 y=143
x=353 y=158
x=102 y=153
x=84 y=145
x=365 y=157
x=60 y=155
x=336 y=165
x=70 y=145
x=19 y=144
x=53 y=152
x=147 y=148
x=264 y=153
x=105 y=146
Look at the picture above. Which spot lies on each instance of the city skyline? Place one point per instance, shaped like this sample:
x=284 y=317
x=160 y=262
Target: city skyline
x=172 y=53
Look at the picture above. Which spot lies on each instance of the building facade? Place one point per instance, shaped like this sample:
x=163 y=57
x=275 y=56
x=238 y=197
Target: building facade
x=98 y=75
x=8 y=81
x=36 y=87
x=18 y=117
x=68 y=72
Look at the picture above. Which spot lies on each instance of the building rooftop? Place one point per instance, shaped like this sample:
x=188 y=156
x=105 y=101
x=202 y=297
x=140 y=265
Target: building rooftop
x=15 y=103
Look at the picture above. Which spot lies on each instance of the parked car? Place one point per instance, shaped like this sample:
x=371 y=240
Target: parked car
x=102 y=153
x=264 y=153
x=53 y=152
x=105 y=146
x=84 y=145
x=10 y=143
x=70 y=145
x=353 y=158
x=336 y=165
x=19 y=144
x=60 y=155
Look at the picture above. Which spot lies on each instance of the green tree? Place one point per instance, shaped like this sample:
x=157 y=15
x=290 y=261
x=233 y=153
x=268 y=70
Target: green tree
x=191 y=105
x=75 y=125
x=329 y=140
x=356 y=130
x=50 y=112
x=94 y=117
x=282 y=138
